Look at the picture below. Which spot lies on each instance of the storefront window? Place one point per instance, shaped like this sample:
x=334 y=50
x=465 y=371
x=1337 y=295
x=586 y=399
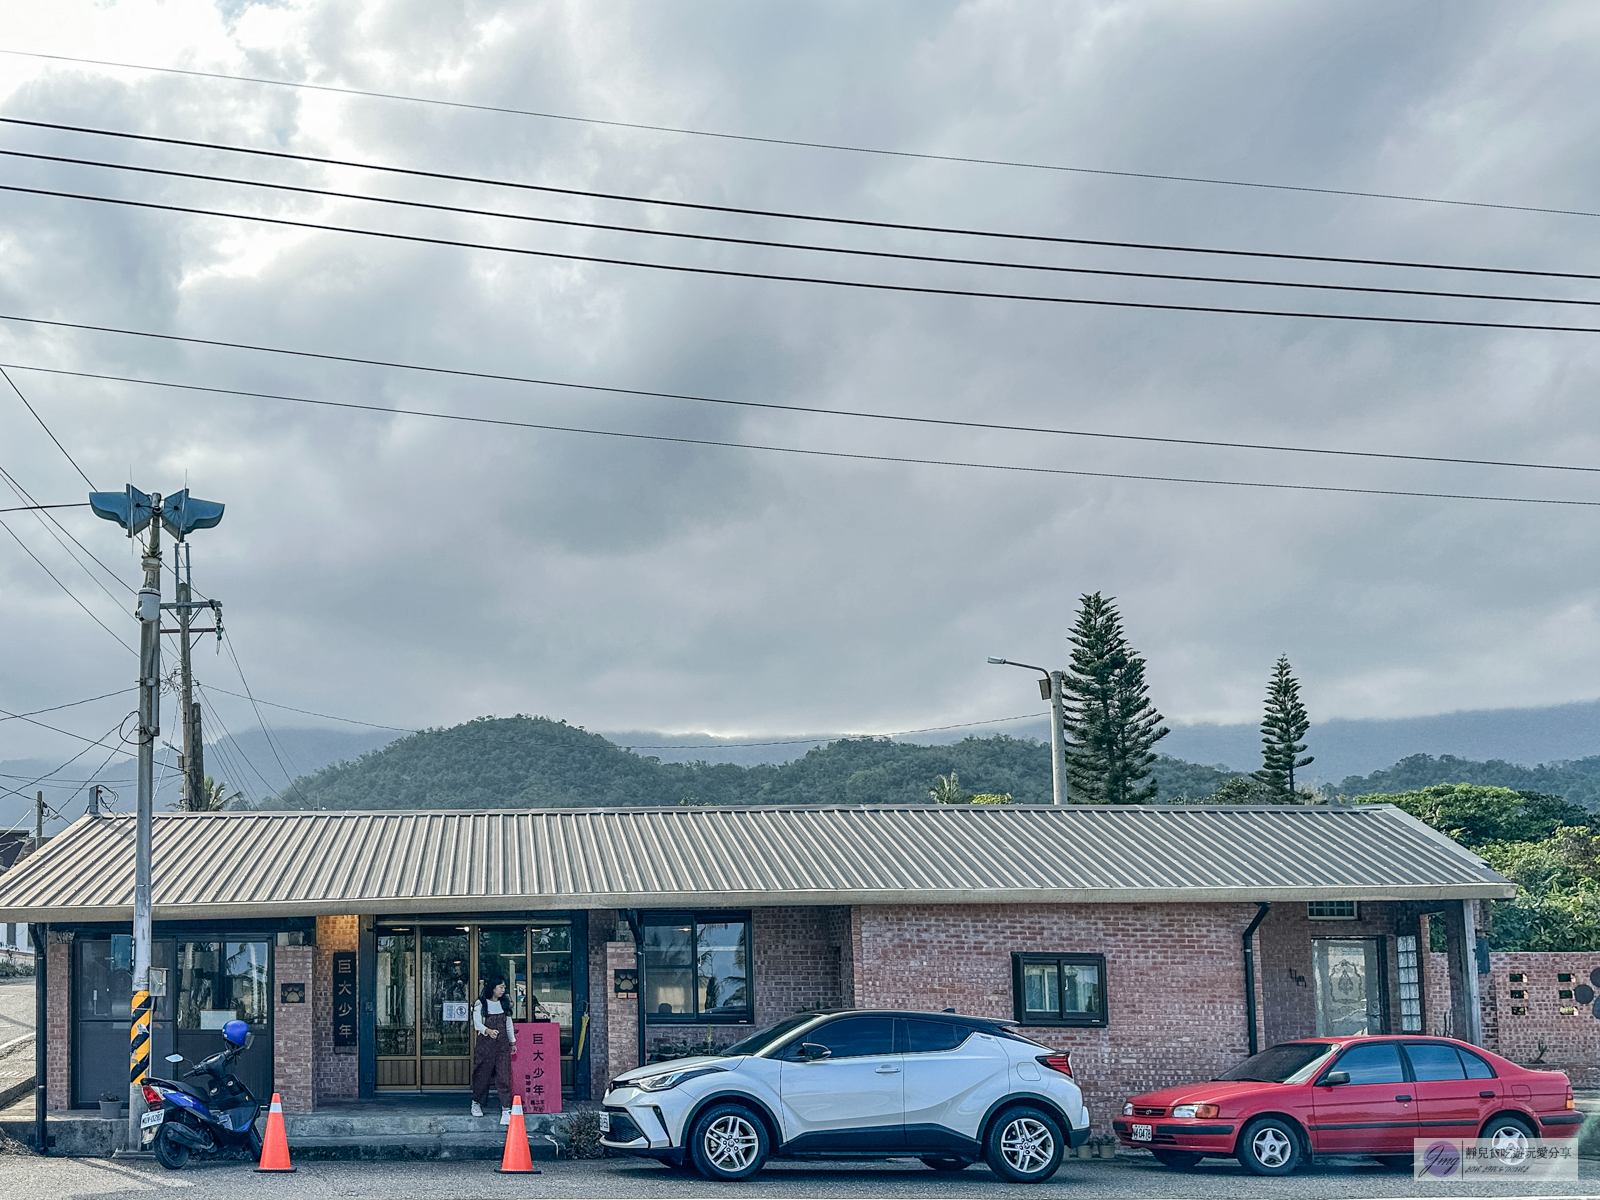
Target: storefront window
x=697 y=969
x=397 y=994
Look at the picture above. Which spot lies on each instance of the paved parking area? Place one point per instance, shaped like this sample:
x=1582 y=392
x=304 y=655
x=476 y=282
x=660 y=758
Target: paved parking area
x=1134 y=1177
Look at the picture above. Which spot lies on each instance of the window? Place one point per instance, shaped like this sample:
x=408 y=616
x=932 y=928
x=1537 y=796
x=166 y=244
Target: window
x=1476 y=1067
x=930 y=1037
x=1059 y=989
x=1431 y=1061
x=696 y=967
x=1333 y=910
x=849 y=1037
x=1410 y=984
x=1375 y=1062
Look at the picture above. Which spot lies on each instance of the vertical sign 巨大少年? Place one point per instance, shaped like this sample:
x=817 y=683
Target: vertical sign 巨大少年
x=345 y=1025
x=536 y=1066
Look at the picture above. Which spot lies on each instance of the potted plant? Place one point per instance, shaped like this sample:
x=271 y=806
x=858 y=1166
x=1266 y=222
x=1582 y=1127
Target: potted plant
x=1105 y=1146
x=111 y=1106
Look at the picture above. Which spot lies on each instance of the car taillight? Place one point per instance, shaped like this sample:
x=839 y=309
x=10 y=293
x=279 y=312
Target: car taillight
x=152 y=1096
x=1571 y=1103
x=1058 y=1062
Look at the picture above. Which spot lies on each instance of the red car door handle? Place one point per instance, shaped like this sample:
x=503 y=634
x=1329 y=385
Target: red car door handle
x=1486 y=1095
x=1404 y=1099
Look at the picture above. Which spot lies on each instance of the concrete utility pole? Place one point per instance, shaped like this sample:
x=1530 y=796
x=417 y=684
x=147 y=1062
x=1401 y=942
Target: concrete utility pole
x=135 y=511
x=1052 y=687
x=38 y=821
x=149 y=613
x=194 y=766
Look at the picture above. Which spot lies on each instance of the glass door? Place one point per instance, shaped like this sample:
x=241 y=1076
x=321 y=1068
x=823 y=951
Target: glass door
x=444 y=1007
x=1350 y=992
x=397 y=1009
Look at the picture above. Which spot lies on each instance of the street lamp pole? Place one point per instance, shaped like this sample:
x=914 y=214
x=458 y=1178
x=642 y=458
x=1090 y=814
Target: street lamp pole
x=1051 y=688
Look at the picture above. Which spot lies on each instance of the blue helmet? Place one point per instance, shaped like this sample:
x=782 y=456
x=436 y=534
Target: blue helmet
x=236 y=1032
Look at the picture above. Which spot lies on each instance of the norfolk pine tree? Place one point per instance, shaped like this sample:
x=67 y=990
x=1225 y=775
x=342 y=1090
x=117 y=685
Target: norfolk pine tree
x=1284 y=724
x=1110 y=724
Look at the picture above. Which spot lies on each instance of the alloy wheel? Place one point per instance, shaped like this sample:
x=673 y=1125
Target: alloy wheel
x=1509 y=1144
x=1272 y=1147
x=731 y=1143
x=1027 y=1145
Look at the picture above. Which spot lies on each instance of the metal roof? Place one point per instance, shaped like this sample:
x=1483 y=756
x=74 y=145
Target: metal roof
x=296 y=864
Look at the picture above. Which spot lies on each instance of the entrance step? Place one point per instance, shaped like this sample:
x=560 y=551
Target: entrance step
x=394 y=1133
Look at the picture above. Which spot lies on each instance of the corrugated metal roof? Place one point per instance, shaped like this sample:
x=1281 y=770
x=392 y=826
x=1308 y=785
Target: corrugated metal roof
x=252 y=864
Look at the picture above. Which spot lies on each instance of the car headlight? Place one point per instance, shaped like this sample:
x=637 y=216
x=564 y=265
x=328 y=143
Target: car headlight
x=1127 y=1109
x=671 y=1079
x=1195 y=1110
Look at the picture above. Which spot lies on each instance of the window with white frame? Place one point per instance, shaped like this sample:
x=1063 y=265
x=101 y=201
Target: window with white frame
x=1333 y=910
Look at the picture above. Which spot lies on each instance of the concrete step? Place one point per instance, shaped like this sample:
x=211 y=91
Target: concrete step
x=360 y=1135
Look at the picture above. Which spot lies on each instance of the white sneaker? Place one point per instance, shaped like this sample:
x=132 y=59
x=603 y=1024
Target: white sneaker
x=505 y=1116
x=477 y=1109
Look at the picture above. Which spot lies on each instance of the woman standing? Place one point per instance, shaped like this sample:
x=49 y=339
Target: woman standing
x=491 y=1059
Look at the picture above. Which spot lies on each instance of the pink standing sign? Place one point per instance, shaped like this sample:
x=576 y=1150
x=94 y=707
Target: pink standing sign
x=536 y=1066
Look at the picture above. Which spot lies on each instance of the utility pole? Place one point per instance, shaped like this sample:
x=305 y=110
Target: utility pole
x=194 y=767
x=38 y=821
x=1052 y=687
x=135 y=511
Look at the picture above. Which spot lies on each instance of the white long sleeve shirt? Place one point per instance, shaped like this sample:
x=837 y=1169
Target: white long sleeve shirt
x=495 y=1007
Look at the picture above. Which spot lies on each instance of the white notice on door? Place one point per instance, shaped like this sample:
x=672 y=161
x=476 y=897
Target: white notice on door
x=455 y=1010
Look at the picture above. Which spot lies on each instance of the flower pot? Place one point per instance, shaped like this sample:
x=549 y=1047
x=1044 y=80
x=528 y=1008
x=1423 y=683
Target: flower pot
x=111 y=1110
x=1108 y=1150
x=1086 y=1151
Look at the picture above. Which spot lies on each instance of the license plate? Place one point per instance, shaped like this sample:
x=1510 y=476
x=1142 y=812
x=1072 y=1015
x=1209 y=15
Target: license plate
x=605 y=1122
x=151 y=1119
x=1144 y=1133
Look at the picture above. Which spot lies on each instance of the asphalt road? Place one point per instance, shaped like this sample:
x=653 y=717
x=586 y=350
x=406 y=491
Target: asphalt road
x=1132 y=1177
x=16 y=1008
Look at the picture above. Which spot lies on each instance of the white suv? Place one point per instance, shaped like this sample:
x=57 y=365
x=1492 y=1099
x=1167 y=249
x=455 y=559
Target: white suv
x=857 y=1085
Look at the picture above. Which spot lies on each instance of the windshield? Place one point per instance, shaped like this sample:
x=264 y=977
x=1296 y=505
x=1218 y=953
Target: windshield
x=1292 y=1062
x=758 y=1042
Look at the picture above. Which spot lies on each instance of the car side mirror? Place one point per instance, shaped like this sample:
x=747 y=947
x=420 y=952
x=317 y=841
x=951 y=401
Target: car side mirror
x=1333 y=1077
x=811 y=1052
x=174 y=1058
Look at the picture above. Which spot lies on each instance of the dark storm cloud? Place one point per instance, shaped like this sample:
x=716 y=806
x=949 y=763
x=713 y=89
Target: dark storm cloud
x=403 y=570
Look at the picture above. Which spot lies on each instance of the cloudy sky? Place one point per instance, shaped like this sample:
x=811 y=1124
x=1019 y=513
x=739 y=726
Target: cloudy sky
x=408 y=571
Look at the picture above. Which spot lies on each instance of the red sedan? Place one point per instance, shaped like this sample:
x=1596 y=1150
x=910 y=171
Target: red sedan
x=1349 y=1095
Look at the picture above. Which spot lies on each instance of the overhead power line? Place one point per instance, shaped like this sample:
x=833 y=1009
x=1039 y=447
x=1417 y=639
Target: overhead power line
x=893 y=458
x=40 y=507
x=947 y=422
x=800 y=143
x=71 y=595
x=70 y=704
x=47 y=430
x=307 y=712
x=857 y=284
x=56 y=529
x=778 y=214
x=805 y=247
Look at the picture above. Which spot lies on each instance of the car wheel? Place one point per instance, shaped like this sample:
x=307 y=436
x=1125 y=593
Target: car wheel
x=1024 y=1145
x=170 y=1152
x=1270 y=1146
x=1509 y=1139
x=946 y=1164
x=728 y=1141
x=1178 y=1160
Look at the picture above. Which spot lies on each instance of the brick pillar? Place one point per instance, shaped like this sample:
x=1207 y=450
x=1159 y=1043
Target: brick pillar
x=622 y=1013
x=58 y=1023
x=293 y=1026
x=335 y=1070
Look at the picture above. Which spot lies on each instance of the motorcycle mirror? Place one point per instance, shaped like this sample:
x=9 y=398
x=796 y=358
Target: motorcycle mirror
x=174 y=1058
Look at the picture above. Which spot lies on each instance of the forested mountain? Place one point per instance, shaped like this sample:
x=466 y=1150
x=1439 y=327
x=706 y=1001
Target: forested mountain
x=533 y=762
x=1577 y=781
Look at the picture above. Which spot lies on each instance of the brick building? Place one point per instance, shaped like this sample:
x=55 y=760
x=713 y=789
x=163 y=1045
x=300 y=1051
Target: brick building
x=1157 y=943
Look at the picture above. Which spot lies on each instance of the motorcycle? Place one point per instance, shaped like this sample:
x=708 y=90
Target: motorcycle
x=214 y=1118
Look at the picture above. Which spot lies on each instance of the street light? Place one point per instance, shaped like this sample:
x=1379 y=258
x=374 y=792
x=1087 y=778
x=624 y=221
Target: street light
x=1050 y=688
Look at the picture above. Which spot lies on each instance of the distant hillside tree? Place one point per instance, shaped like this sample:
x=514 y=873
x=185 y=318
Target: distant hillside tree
x=1111 y=725
x=1282 y=728
x=1578 y=781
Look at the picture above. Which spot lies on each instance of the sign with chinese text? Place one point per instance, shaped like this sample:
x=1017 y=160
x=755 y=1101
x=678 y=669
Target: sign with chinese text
x=536 y=1066
x=345 y=1025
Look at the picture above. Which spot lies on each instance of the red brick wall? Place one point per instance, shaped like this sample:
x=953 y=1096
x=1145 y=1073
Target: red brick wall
x=58 y=1023
x=798 y=957
x=601 y=925
x=1541 y=1035
x=293 y=1058
x=1175 y=981
x=336 y=1074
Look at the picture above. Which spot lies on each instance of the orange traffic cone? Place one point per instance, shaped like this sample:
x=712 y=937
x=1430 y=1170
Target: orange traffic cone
x=275 y=1149
x=516 y=1160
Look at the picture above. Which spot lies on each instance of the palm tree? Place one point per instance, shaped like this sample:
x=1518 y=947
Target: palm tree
x=947 y=789
x=213 y=798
